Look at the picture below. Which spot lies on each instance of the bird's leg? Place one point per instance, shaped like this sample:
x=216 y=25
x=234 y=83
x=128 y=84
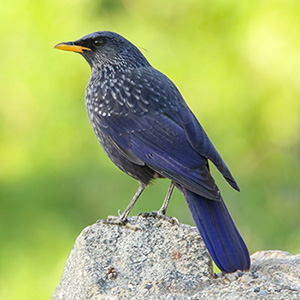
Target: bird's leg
x=123 y=216
x=161 y=213
x=163 y=209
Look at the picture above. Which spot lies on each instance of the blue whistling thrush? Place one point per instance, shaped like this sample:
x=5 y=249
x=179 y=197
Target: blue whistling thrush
x=148 y=131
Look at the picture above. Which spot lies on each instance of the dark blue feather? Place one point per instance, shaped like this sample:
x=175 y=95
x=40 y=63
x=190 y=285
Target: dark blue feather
x=171 y=142
x=218 y=232
x=165 y=148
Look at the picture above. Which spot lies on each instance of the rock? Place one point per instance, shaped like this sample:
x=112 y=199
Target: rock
x=153 y=259
x=149 y=257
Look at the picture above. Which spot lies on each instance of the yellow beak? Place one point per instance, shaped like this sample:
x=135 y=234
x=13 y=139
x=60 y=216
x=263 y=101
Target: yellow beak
x=71 y=47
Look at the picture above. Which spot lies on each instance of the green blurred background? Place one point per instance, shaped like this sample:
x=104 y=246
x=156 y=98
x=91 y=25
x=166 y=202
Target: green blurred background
x=237 y=63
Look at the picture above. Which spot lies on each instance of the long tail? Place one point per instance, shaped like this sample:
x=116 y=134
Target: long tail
x=218 y=232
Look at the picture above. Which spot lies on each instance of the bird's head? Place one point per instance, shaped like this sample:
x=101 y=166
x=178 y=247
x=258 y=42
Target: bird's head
x=105 y=49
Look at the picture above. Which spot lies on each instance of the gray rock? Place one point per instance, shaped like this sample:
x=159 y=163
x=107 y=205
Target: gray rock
x=154 y=259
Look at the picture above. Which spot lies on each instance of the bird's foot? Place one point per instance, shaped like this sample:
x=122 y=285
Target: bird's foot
x=159 y=215
x=117 y=220
x=120 y=220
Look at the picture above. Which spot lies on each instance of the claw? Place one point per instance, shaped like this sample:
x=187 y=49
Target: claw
x=117 y=220
x=160 y=215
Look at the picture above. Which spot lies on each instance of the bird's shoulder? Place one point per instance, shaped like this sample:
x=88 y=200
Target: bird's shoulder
x=140 y=91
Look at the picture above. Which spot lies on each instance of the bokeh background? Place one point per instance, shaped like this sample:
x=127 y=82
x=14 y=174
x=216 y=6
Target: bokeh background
x=237 y=63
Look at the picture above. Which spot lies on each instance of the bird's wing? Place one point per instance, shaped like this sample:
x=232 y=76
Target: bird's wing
x=161 y=144
x=146 y=116
x=201 y=142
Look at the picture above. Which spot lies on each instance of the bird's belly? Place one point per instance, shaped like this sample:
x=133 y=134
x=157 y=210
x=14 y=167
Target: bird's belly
x=141 y=173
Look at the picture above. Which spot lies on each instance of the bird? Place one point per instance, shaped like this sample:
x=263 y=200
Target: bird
x=147 y=130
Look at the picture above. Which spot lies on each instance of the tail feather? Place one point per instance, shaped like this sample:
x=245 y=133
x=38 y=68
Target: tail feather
x=218 y=232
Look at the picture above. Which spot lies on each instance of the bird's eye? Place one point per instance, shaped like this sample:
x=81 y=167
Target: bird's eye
x=97 y=42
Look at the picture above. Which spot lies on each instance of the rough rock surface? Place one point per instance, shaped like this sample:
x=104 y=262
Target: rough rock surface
x=154 y=259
